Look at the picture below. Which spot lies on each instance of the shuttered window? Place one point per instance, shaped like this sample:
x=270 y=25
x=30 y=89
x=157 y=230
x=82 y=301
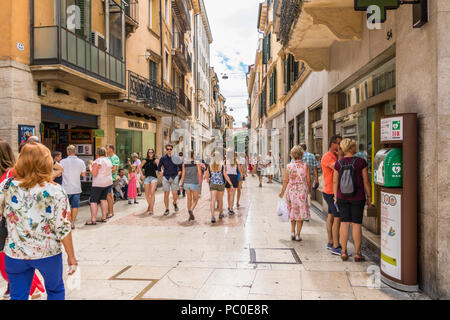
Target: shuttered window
x=273 y=88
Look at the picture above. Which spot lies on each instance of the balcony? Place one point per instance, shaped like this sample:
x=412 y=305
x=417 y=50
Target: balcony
x=131 y=15
x=161 y=100
x=307 y=29
x=180 y=52
x=182 y=12
x=184 y=103
x=59 y=54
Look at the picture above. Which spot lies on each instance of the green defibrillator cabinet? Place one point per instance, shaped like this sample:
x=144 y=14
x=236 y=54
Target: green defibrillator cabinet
x=388 y=168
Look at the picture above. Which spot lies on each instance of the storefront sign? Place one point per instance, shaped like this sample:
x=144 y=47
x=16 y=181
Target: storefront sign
x=391 y=205
x=129 y=124
x=55 y=115
x=81 y=136
x=392 y=129
x=99 y=133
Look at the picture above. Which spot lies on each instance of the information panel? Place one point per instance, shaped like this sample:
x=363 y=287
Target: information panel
x=392 y=129
x=391 y=213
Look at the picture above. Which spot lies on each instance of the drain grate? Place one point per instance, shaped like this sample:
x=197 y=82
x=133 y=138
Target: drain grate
x=274 y=256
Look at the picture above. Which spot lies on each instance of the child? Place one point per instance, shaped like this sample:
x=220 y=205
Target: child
x=132 y=186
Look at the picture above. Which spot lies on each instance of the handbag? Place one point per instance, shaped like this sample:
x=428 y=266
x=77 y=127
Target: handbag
x=3 y=228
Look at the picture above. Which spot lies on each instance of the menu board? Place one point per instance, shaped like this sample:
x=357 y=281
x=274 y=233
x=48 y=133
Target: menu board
x=391 y=221
x=392 y=129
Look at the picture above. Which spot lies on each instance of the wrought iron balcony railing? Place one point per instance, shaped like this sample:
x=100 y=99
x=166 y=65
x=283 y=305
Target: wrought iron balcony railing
x=132 y=11
x=142 y=90
x=184 y=101
x=290 y=10
x=181 y=9
x=180 y=51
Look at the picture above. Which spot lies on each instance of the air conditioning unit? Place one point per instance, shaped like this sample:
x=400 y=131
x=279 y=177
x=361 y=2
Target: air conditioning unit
x=98 y=40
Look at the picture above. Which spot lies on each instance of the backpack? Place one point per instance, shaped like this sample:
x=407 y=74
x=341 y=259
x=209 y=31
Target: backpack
x=347 y=178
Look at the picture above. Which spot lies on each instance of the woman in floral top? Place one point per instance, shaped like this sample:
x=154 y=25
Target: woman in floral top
x=37 y=215
x=297 y=181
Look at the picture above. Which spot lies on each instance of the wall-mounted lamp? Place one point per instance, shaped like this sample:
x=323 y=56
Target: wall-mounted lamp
x=147 y=56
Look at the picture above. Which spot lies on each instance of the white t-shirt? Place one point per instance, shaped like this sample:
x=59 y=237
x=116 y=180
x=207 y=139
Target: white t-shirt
x=104 y=176
x=73 y=168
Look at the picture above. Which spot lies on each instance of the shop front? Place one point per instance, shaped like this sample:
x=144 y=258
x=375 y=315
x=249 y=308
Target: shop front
x=360 y=108
x=134 y=136
x=61 y=128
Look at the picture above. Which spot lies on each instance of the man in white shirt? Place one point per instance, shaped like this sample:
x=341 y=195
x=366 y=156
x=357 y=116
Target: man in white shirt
x=74 y=168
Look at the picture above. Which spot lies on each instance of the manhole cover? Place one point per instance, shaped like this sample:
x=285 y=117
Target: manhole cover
x=274 y=256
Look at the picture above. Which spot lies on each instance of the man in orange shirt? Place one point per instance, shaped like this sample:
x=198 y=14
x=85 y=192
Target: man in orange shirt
x=333 y=220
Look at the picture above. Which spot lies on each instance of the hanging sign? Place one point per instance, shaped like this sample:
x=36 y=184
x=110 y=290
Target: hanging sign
x=391 y=210
x=392 y=129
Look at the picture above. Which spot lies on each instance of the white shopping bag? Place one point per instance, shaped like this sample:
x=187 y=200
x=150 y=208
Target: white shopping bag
x=282 y=210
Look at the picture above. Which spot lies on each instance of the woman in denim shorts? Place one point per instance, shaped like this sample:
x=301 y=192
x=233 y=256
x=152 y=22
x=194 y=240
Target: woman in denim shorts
x=190 y=179
x=150 y=166
x=216 y=177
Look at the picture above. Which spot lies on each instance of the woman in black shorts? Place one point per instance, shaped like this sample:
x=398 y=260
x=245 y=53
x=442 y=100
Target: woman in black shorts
x=351 y=208
x=233 y=170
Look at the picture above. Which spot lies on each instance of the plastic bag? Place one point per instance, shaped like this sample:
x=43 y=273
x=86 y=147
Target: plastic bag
x=282 y=210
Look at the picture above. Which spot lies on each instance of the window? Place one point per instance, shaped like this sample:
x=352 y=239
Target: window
x=291 y=135
x=266 y=49
x=301 y=128
x=83 y=28
x=150 y=14
x=273 y=88
x=167 y=11
x=291 y=72
x=167 y=73
x=153 y=72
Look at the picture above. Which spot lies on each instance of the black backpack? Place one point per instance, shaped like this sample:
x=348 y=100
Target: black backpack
x=347 y=178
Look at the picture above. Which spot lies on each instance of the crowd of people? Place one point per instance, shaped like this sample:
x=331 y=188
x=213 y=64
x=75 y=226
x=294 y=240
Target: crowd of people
x=40 y=196
x=346 y=191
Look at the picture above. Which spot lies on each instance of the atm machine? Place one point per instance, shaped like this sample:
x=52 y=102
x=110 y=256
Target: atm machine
x=395 y=170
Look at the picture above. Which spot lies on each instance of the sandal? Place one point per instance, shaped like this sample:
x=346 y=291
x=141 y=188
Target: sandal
x=344 y=256
x=109 y=216
x=359 y=257
x=90 y=223
x=102 y=220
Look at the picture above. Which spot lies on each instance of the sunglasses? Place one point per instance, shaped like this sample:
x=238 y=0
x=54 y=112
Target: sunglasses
x=169 y=149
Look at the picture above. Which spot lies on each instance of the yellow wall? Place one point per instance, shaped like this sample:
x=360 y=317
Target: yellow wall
x=97 y=17
x=141 y=41
x=14 y=28
x=44 y=13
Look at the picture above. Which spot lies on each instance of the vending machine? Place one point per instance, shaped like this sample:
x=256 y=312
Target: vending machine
x=395 y=170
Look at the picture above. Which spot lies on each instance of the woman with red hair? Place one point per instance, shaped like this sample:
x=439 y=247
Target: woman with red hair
x=7 y=161
x=37 y=214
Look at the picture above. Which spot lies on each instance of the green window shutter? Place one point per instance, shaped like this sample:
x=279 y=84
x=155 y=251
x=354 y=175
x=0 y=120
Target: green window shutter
x=268 y=46
x=295 y=70
x=274 y=85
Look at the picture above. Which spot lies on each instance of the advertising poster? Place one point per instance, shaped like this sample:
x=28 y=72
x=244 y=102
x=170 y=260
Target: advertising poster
x=25 y=132
x=391 y=234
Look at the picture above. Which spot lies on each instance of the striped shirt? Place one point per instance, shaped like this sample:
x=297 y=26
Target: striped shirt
x=310 y=160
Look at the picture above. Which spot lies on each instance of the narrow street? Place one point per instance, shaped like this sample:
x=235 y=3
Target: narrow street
x=249 y=256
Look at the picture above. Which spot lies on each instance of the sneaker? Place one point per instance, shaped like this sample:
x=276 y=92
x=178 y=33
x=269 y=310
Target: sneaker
x=166 y=213
x=175 y=207
x=230 y=212
x=329 y=246
x=336 y=251
x=293 y=235
x=191 y=215
x=213 y=220
x=7 y=295
x=221 y=216
x=136 y=202
x=298 y=238
x=129 y=201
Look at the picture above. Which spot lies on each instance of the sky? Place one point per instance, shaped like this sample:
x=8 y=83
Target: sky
x=235 y=38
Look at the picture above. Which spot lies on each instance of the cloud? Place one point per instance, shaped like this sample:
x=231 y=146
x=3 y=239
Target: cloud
x=233 y=25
